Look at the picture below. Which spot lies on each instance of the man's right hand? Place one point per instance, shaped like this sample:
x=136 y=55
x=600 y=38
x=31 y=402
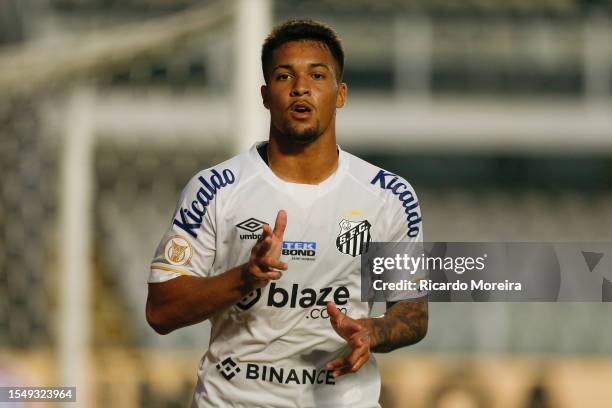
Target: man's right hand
x=264 y=263
x=188 y=300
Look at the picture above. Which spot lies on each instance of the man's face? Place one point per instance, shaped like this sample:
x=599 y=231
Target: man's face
x=302 y=92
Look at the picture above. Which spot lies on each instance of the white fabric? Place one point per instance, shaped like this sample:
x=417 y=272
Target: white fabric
x=285 y=333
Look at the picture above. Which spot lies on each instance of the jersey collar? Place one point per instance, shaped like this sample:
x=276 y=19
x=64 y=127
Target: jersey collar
x=321 y=188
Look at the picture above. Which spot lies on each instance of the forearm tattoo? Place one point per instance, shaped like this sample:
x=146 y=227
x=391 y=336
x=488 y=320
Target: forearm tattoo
x=403 y=324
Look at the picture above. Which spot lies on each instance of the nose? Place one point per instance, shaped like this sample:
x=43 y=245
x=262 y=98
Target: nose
x=300 y=86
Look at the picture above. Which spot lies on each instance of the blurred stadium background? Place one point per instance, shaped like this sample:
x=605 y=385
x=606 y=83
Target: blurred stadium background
x=498 y=112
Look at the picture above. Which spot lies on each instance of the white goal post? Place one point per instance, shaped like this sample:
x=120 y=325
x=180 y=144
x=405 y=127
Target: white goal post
x=251 y=20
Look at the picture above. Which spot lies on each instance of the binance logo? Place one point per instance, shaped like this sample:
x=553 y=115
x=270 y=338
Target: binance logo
x=228 y=368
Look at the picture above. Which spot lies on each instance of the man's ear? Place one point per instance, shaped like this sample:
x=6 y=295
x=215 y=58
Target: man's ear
x=264 y=96
x=341 y=98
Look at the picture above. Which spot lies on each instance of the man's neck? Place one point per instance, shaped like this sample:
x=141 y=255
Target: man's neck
x=309 y=163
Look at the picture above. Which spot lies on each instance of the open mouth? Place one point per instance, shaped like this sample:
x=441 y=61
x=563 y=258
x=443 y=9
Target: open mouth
x=300 y=108
x=301 y=111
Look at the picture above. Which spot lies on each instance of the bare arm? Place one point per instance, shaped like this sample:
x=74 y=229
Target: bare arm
x=188 y=300
x=403 y=324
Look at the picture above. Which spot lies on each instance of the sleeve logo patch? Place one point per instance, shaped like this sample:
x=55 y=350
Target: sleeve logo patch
x=405 y=196
x=178 y=251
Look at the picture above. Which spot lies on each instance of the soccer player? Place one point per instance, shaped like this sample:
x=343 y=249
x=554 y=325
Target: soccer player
x=267 y=246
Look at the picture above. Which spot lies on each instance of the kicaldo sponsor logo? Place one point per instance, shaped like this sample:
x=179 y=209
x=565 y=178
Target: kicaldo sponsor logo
x=190 y=217
x=391 y=182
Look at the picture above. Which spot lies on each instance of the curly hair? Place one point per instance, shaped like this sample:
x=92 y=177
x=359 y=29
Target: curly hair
x=302 y=30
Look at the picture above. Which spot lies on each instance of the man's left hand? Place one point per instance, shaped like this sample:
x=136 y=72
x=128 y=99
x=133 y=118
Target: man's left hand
x=357 y=337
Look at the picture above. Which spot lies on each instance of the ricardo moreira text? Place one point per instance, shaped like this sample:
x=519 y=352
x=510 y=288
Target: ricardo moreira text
x=423 y=263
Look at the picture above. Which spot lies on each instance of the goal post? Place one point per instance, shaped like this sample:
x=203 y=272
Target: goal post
x=83 y=129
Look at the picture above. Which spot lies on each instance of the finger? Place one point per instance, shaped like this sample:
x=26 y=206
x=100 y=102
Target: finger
x=267 y=262
x=360 y=362
x=359 y=339
x=276 y=264
x=356 y=355
x=267 y=276
x=340 y=321
x=273 y=275
x=263 y=246
x=258 y=273
x=352 y=327
x=334 y=314
x=266 y=231
x=263 y=272
x=337 y=363
x=280 y=224
x=341 y=371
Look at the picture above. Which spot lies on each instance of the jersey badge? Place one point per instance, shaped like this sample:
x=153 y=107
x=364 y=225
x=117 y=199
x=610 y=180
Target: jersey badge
x=178 y=251
x=354 y=237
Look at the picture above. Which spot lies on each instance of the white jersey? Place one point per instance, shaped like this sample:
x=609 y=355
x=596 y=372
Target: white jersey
x=271 y=347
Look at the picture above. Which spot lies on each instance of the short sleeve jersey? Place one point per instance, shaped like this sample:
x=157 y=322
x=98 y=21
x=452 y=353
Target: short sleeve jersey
x=270 y=348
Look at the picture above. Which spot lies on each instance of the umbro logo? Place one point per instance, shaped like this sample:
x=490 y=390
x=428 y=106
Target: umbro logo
x=228 y=368
x=252 y=226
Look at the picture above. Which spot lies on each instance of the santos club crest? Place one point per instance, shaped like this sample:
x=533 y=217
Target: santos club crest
x=354 y=238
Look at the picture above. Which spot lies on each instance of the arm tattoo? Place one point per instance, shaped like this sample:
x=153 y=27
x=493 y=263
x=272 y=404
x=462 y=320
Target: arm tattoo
x=403 y=324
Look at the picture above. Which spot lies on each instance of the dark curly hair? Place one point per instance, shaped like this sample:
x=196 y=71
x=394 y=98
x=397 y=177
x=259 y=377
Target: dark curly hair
x=302 y=30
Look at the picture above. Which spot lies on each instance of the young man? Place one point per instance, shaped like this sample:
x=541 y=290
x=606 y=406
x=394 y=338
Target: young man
x=288 y=324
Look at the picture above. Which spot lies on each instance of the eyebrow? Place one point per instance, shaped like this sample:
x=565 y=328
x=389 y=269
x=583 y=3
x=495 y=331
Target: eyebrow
x=311 y=65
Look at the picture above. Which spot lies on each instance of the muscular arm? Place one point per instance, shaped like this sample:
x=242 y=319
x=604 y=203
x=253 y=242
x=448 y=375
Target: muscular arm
x=403 y=324
x=188 y=300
